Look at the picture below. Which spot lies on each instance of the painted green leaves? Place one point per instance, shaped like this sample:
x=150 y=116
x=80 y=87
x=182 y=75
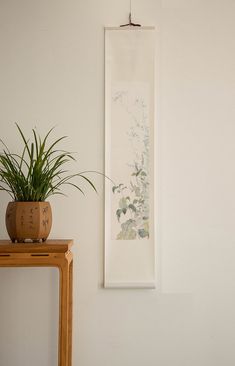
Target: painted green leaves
x=133 y=206
x=132 y=196
x=132 y=214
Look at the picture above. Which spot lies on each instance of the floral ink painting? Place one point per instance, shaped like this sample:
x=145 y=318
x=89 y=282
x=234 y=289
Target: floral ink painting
x=129 y=158
x=130 y=201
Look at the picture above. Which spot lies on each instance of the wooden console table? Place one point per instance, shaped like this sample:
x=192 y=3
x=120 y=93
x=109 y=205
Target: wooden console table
x=51 y=253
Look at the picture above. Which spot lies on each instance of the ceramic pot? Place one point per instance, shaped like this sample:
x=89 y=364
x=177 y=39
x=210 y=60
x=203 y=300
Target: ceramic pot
x=28 y=221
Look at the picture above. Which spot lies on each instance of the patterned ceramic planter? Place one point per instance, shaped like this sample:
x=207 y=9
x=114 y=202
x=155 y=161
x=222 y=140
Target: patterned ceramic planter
x=28 y=221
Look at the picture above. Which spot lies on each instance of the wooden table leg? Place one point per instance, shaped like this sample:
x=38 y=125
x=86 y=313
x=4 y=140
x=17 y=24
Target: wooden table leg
x=65 y=325
x=70 y=313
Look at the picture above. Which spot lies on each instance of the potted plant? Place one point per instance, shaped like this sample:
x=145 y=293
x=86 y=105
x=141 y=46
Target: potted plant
x=30 y=178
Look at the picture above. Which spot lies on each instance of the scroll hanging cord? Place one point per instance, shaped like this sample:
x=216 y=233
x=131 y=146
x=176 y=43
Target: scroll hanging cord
x=130 y=24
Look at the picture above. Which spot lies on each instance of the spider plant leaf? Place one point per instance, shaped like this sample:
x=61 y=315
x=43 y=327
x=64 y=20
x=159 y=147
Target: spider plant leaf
x=88 y=180
x=76 y=186
x=23 y=137
x=36 y=142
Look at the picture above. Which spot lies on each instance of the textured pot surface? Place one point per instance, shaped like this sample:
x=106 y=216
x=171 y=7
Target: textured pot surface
x=28 y=221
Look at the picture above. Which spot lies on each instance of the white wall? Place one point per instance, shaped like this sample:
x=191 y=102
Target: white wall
x=52 y=73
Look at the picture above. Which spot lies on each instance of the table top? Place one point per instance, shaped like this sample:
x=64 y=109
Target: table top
x=49 y=246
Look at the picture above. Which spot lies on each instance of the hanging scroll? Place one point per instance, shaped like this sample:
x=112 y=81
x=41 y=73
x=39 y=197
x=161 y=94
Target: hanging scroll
x=129 y=157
